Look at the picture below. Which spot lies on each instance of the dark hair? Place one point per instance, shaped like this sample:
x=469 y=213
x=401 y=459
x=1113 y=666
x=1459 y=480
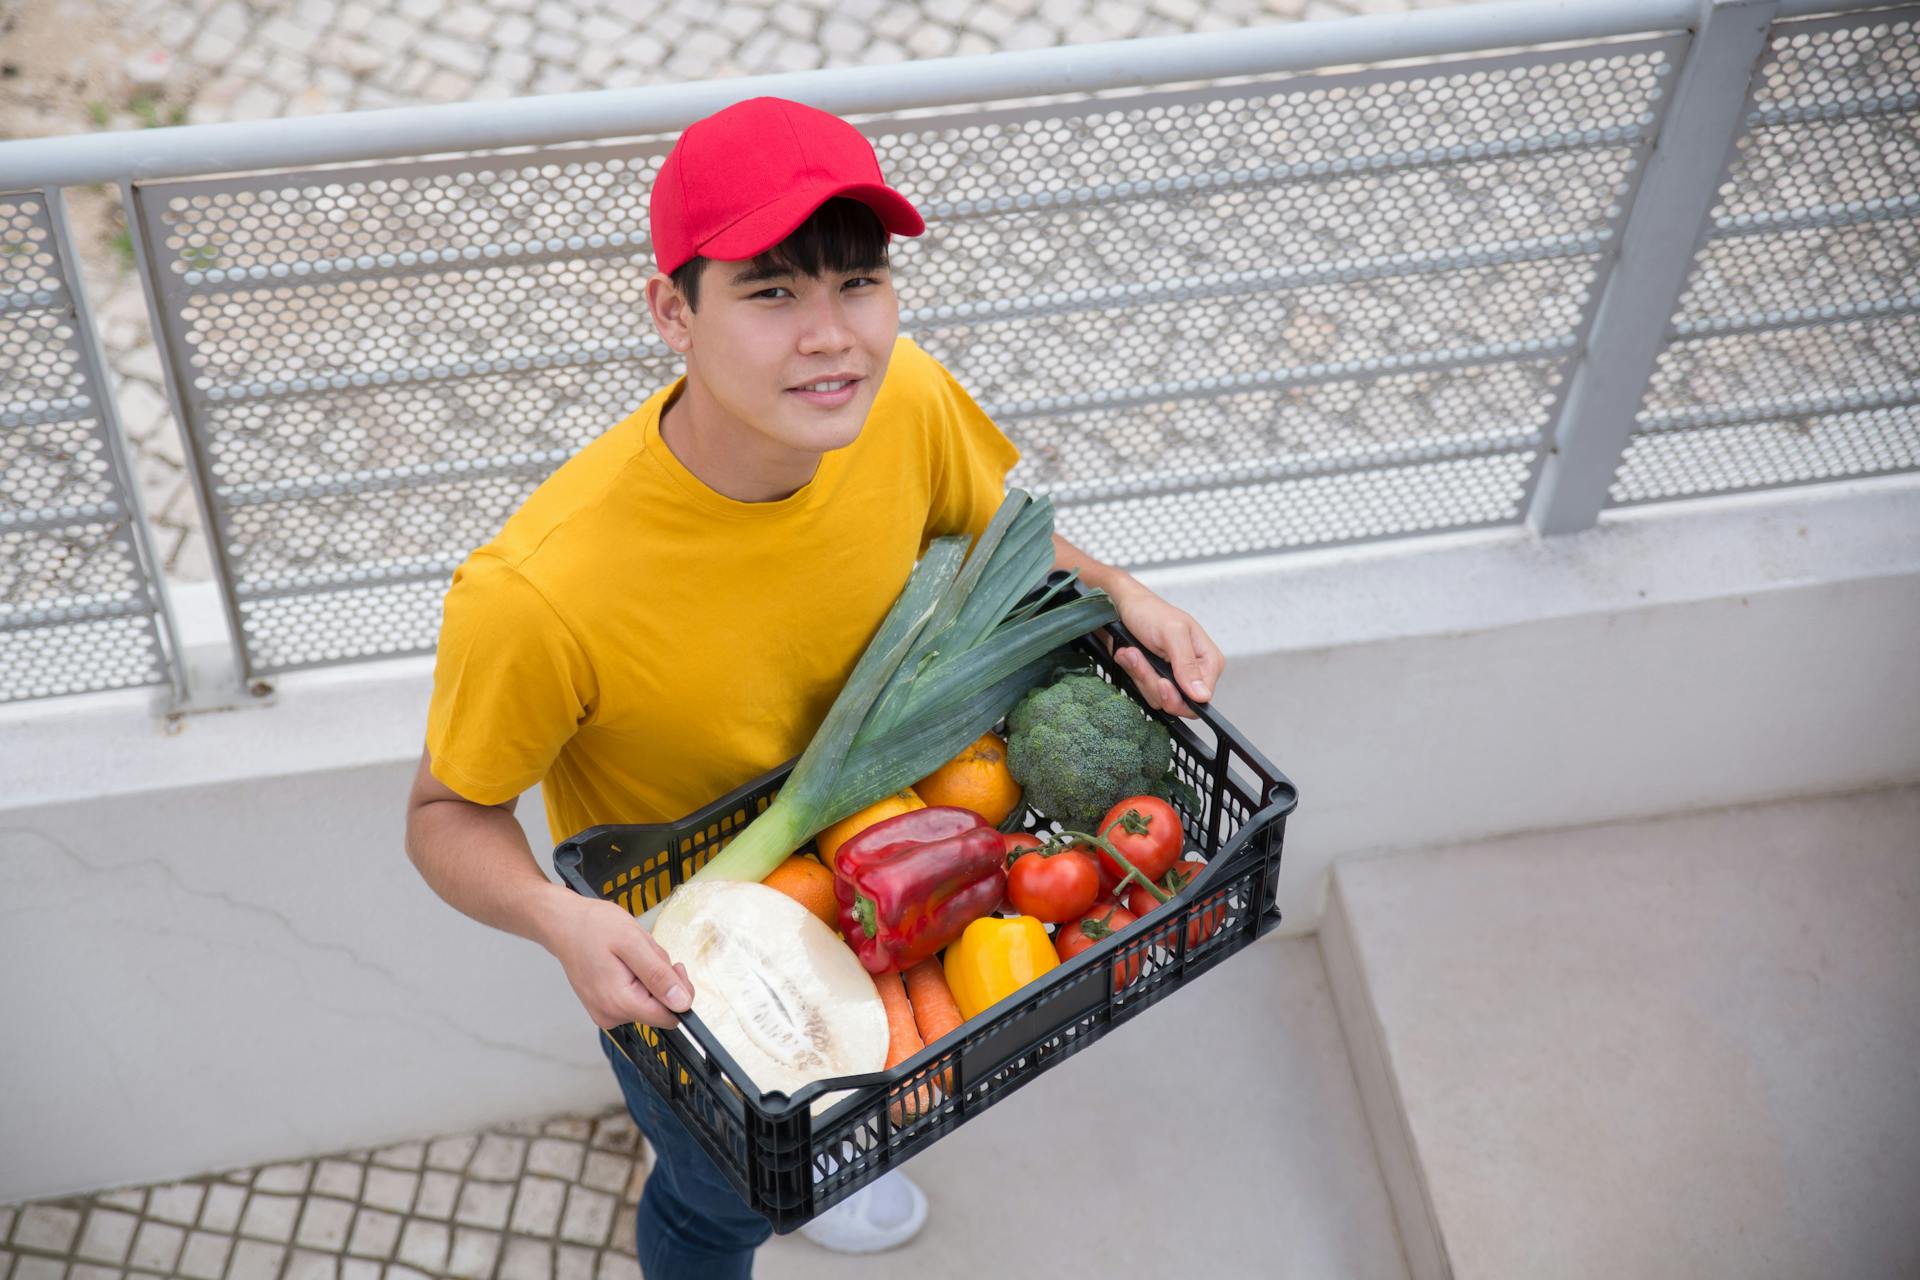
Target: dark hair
x=841 y=235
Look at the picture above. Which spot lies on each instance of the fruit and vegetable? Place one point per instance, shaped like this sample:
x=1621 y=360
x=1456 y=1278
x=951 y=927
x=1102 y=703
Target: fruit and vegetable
x=1201 y=924
x=1053 y=885
x=907 y=886
x=995 y=957
x=827 y=843
x=774 y=985
x=976 y=779
x=1078 y=744
x=1094 y=928
x=916 y=908
x=942 y=915
x=810 y=884
x=903 y=1039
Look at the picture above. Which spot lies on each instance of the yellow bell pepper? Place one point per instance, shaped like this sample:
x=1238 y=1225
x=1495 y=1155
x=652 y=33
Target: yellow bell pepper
x=995 y=957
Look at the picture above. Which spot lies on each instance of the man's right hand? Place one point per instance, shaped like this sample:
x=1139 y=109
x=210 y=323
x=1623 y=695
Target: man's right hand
x=617 y=970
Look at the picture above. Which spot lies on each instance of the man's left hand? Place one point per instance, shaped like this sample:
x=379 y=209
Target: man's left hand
x=1174 y=635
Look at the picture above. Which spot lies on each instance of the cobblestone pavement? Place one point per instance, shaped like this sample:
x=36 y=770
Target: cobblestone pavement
x=69 y=67
x=550 y=1200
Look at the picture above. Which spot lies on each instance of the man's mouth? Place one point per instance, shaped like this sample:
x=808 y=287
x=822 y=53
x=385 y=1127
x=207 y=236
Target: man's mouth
x=829 y=391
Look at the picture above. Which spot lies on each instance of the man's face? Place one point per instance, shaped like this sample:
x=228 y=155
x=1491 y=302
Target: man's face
x=757 y=339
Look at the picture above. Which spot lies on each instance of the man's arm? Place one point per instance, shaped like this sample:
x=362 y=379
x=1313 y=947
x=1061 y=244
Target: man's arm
x=1172 y=633
x=1116 y=582
x=477 y=858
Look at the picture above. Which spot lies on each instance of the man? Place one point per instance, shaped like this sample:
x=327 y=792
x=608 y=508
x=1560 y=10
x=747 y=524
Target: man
x=674 y=610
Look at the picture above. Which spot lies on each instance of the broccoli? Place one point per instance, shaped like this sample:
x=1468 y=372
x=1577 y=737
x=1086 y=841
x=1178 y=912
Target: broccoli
x=1079 y=746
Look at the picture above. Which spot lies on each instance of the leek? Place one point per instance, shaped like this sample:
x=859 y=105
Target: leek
x=956 y=650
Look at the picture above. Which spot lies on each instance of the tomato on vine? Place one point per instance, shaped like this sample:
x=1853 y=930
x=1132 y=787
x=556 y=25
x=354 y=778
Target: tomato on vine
x=1107 y=918
x=1202 y=923
x=1052 y=885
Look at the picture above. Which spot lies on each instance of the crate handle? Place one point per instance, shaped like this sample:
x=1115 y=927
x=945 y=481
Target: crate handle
x=1265 y=768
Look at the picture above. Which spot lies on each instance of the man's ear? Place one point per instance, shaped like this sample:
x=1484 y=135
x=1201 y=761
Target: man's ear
x=670 y=311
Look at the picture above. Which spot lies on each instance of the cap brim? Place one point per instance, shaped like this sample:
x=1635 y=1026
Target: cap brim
x=774 y=221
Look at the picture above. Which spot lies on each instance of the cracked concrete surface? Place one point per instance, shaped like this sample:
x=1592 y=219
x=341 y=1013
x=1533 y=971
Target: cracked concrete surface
x=18 y=846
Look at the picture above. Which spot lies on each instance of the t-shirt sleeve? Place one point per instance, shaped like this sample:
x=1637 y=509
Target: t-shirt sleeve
x=510 y=684
x=972 y=457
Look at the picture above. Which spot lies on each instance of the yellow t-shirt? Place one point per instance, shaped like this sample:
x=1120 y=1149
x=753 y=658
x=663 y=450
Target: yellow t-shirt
x=642 y=644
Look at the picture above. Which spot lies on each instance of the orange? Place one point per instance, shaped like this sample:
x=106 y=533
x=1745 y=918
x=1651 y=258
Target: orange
x=809 y=884
x=830 y=840
x=976 y=779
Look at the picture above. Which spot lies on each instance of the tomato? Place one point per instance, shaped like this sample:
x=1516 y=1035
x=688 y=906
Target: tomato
x=1202 y=923
x=1018 y=842
x=1053 y=888
x=1178 y=877
x=1070 y=939
x=1153 y=847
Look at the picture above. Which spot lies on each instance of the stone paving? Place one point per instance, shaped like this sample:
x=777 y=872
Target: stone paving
x=78 y=67
x=549 y=1200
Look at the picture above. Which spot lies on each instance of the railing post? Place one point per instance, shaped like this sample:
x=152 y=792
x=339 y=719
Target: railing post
x=1665 y=226
x=117 y=451
x=214 y=672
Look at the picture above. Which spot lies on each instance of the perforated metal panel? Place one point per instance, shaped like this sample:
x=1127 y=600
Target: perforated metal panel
x=1297 y=312
x=1217 y=320
x=79 y=611
x=1794 y=355
x=380 y=363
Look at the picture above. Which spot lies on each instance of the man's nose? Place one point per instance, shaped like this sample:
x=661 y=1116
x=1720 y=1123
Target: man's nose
x=826 y=327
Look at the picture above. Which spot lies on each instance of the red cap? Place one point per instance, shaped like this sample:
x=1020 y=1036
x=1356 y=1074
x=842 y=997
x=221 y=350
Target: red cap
x=739 y=181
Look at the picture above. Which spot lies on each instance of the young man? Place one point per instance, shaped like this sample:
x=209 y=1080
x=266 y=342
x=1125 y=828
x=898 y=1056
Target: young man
x=673 y=611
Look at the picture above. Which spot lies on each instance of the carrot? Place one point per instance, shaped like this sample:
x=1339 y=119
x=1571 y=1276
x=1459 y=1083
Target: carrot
x=903 y=1037
x=934 y=1008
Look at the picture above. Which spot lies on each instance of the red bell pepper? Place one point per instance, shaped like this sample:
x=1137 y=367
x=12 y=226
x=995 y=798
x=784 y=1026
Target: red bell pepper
x=911 y=884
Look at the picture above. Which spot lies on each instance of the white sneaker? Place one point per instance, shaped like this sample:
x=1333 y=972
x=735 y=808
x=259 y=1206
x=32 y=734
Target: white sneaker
x=884 y=1214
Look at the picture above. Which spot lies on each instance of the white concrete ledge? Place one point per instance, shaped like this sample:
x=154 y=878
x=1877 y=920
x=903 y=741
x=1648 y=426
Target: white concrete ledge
x=1638 y=558
x=1297 y=607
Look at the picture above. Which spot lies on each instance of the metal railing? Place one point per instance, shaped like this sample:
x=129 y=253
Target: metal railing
x=1519 y=262
x=82 y=604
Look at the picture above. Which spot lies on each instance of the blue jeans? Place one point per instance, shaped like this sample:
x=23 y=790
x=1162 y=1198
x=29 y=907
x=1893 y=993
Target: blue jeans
x=691 y=1223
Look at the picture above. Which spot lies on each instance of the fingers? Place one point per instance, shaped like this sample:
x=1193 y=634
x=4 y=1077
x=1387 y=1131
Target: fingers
x=1154 y=687
x=664 y=983
x=1187 y=668
x=1212 y=661
x=631 y=1002
x=1195 y=661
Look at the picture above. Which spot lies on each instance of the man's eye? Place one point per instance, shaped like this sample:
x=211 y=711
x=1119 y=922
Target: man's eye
x=856 y=280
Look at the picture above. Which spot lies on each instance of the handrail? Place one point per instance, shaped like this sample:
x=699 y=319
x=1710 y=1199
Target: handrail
x=394 y=132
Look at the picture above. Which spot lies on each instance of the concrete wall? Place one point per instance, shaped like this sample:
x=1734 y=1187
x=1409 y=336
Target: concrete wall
x=217 y=953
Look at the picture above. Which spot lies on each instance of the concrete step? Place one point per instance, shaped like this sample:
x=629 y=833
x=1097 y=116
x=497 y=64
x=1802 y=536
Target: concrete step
x=1680 y=1047
x=1218 y=1134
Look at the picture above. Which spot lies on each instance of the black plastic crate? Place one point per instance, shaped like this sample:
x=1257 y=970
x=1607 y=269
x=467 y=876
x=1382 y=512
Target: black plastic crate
x=792 y=1165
